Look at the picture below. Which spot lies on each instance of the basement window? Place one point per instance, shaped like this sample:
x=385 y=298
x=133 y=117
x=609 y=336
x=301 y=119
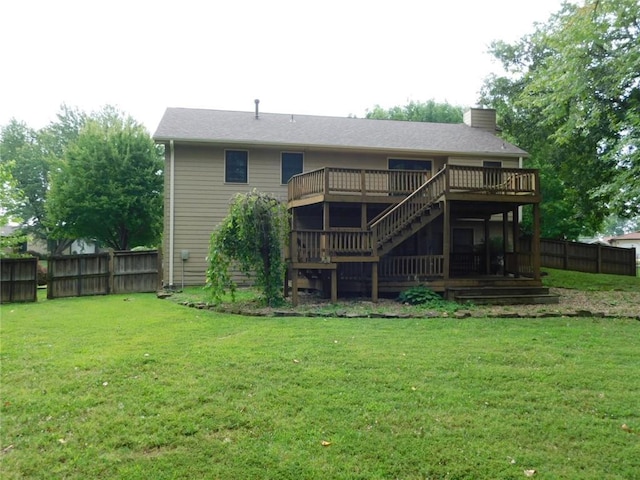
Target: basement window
x=236 y=165
x=290 y=165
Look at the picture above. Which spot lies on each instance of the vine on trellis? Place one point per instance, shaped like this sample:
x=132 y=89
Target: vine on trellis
x=253 y=235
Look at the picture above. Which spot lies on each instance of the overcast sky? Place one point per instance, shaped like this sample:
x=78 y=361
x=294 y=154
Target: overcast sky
x=308 y=57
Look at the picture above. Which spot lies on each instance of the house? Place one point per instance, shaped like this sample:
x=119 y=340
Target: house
x=376 y=205
x=629 y=240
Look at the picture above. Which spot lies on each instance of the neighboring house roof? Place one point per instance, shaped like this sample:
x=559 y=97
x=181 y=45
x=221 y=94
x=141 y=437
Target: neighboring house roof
x=229 y=127
x=628 y=236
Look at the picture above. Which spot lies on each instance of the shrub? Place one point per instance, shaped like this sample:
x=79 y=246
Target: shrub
x=42 y=274
x=419 y=295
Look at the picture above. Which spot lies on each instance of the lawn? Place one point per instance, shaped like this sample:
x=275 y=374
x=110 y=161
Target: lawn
x=136 y=387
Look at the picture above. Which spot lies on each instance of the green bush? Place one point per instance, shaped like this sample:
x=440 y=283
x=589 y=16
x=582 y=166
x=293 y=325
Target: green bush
x=419 y=295
x=42 y=274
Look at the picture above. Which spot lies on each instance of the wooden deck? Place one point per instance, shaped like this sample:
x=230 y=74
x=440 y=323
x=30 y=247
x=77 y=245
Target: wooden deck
x=348 y=258
x=392 y=186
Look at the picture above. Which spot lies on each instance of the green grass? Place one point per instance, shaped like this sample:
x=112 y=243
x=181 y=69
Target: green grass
x=590 y=281
x=135 y=387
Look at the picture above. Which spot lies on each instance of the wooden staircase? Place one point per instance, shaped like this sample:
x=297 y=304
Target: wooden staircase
x=401 y=221
x=502 y=295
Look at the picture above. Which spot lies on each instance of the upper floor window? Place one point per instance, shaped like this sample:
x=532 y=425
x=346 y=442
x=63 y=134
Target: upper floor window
x=492 y=176
x=236 y=165
x=407 y=164
x=492 y=164
x=290 y=165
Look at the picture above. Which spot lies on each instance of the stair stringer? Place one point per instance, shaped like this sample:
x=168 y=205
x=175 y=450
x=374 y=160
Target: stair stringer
x=399 y=223
x=426 y=218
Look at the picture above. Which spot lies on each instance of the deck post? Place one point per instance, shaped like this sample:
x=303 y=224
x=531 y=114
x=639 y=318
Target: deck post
x=334 y=285
x=516 y=241
x=505 y=241
x=374 y=282
x=535 y=242
x=326 y=181
x=487 y=246
x=285 y=286
x=294 y=287
x=446 y=239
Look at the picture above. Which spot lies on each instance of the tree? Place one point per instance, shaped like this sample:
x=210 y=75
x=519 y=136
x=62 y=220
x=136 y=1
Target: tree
x=9 y=197
x=253 y=234
x=571 y=97
x=109 y=186
x=428 y=111
x=29 y=169
x=30 y=156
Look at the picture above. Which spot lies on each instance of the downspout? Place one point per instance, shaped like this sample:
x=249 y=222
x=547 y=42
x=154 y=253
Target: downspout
x=172 y=192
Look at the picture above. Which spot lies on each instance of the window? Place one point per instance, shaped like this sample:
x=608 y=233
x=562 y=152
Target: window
x=404 y=164
x=290 y=165
x=236 y=163
x=491 y=164
x=403 y=182
x=492 y=176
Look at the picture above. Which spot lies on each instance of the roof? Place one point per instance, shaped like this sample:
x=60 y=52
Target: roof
x=231 y=127
x=628 y=236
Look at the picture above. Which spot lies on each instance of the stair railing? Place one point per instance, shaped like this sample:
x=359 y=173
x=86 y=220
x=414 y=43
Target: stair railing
x=403 y=213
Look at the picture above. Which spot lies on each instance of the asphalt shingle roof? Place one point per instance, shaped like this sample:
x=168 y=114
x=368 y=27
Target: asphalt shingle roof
x=230 y=127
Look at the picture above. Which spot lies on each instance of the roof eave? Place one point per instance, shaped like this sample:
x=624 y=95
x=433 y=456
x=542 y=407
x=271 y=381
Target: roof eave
x=162 y=139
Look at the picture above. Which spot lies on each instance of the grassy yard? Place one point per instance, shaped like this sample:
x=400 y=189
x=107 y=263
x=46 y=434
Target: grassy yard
x=135 y=387
x=590 y=281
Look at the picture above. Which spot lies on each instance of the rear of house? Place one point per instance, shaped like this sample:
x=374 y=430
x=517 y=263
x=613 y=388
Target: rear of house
x=447 y=198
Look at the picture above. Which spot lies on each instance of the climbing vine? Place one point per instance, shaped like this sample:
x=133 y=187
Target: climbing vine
x=252 y=237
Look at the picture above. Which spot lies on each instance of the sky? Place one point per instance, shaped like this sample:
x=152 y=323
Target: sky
x=326 y=57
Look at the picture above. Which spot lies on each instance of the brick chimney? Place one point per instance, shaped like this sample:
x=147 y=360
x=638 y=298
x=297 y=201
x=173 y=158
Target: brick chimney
x=483 y=118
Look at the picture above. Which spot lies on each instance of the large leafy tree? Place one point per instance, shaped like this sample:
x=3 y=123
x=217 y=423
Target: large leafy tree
x=30 y=155
x=109 y=187
x=571 y=97
x=28 y=165
x=9 y=197
x=429 y=111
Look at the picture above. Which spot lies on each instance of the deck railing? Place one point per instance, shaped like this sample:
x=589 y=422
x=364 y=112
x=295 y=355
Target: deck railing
x=514 y=181
x=349 y=181
x=320 y=246
x=365 y=182
x=412 y=267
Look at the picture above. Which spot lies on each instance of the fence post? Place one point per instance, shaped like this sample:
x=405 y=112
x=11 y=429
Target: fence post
x=565 y=259
x=160 y=269
x=111 y=272
x=599 y=260
x=79 y=276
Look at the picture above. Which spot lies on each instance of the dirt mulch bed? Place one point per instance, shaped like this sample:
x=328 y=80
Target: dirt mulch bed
x=574 y=303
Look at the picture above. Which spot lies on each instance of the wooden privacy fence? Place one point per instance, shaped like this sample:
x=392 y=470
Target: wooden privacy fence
x=586 y=257
x=18 y=280
x=104 y=273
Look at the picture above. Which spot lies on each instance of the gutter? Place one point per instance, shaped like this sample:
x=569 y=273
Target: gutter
x=172 y=203
x=347 y=148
